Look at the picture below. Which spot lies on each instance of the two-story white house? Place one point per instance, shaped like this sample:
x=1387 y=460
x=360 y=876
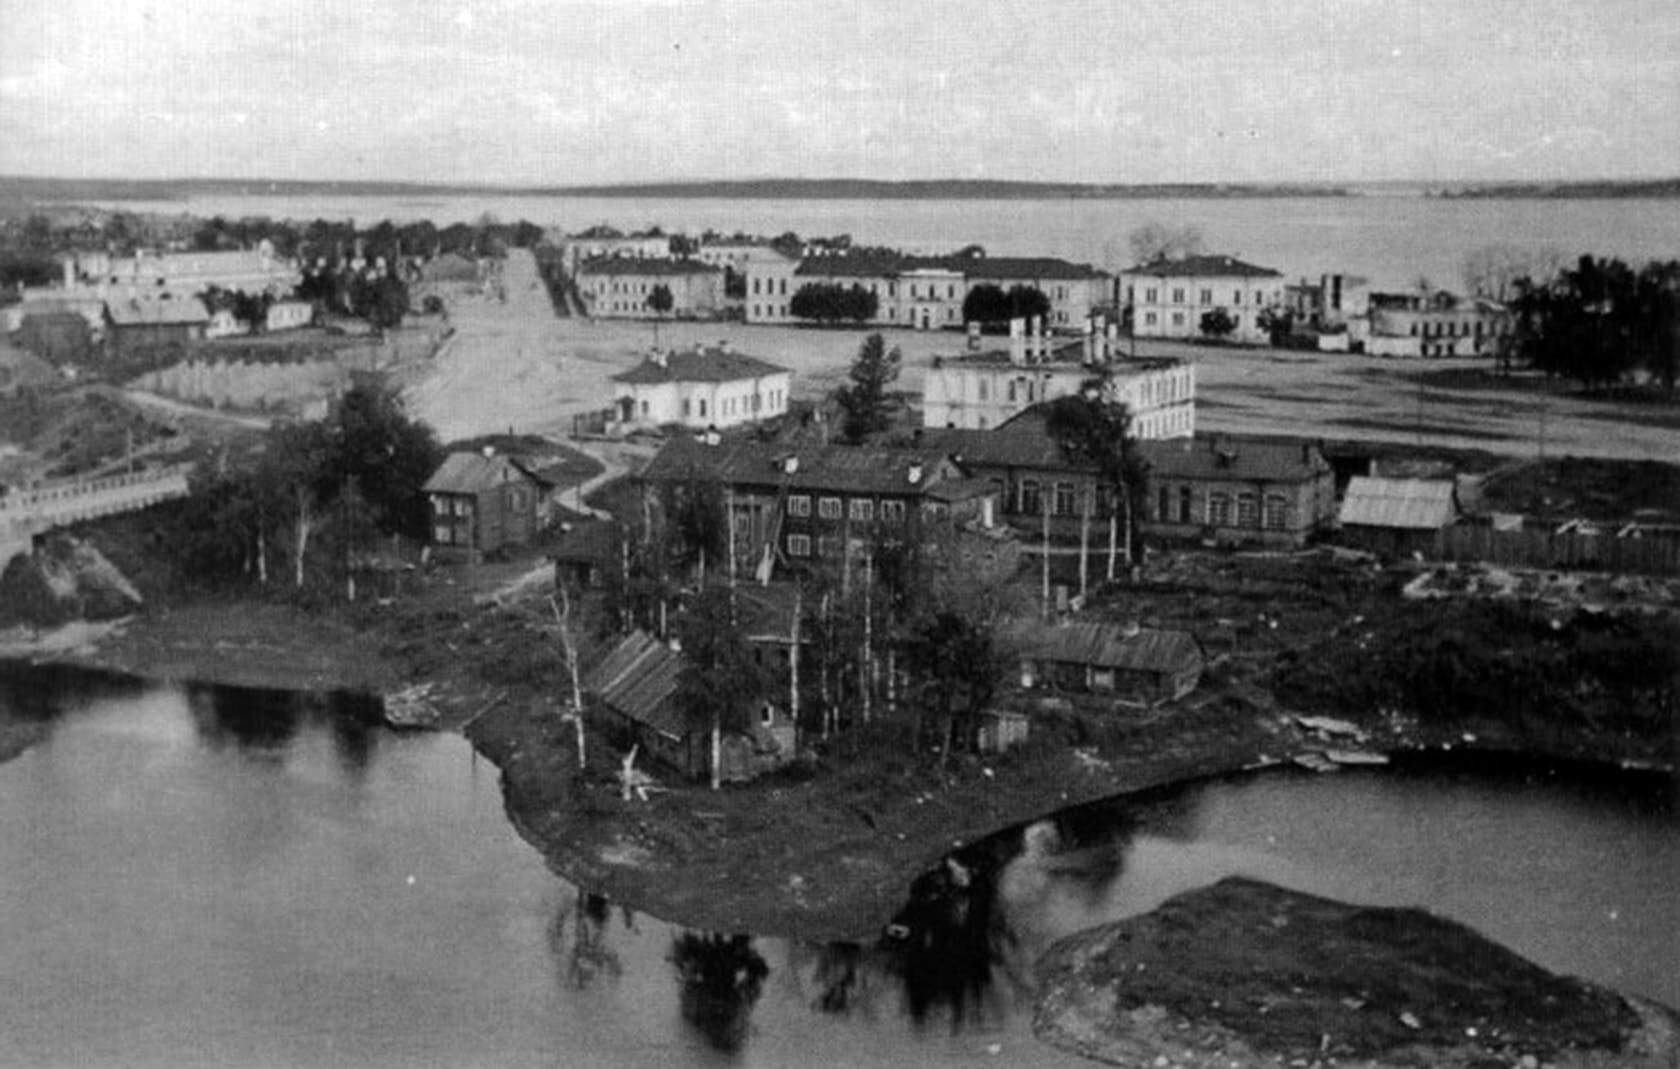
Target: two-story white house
x=700 y=388
x=982 y=390
x=620 y=287
x=1168 y=298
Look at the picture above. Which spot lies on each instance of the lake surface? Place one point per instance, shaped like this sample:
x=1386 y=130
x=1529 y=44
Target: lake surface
x=230 y=878
x=1392 y=240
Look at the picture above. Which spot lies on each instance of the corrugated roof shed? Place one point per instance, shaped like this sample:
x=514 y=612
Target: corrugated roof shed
x=638 y=679
x=699 y=365
x=1107 y=645
x=1406 y=504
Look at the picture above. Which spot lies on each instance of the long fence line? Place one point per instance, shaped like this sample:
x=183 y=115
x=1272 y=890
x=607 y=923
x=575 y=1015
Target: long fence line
x=69 y=493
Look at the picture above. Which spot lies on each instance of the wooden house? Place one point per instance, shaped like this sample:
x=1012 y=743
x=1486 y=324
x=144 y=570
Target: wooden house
x=1142 y=664
x=1398 y=517
x=482 y=503
x=634 y=688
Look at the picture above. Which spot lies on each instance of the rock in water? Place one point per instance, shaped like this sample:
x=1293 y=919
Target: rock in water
x=1243 y=973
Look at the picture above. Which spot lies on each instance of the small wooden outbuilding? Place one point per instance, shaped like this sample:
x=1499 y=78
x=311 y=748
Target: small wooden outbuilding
x=1140 y=663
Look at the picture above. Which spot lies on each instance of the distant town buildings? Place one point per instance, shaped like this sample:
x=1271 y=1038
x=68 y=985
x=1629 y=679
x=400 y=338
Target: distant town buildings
x=179 y=274
x=623 y=287
x=924 y=292
x=600 y=242
x=1169 y=298
x=700 y=388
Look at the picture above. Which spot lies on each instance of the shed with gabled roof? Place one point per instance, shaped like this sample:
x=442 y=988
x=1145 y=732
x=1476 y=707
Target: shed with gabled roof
x=1142 y=663
x=1397 y=515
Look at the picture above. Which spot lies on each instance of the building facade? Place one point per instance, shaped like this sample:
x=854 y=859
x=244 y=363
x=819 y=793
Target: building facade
x=1432 y=324
x=177 y=275
x=620 y=287
x=481 y=503
x=983 y=390
x=1168 y=298
x=700 y=388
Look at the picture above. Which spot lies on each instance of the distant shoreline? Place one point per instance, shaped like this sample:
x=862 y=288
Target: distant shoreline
x=71 y=190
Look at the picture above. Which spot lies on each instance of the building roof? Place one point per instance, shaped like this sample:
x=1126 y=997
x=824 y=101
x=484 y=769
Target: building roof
x=1203 y=266
x=699 y=365
x=1106 y=645
x=135 y=312
x=884 y=263
x=1405 y=504
x=1230 y=456
x=815 y=467
x=474 y=473
x=638 y=679
x=645 y=265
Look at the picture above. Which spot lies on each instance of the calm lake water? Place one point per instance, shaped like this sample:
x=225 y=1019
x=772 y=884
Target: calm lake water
x=230 y=878
x=1390 y=239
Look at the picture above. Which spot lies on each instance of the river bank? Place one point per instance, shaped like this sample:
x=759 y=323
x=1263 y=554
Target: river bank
x=824 y=853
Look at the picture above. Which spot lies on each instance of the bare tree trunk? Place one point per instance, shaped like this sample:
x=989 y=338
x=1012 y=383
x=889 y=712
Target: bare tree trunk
x=1044 y=570
x=1113 y=542
x=866 y=673
x=1085 y=544
x=793 y=668
x=563 y=614
x=304 y=525
x=717 y=752
x=262 y=554
x=824 y=675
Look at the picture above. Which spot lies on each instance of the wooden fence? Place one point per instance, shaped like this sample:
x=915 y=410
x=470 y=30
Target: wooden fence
x=1648 y=555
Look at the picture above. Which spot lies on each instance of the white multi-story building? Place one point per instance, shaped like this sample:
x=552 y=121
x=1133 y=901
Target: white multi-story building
x=981 y=390
x=925 y=292
x=603 y=241
x=1168 y=298
x=184 y=274
x=700 y=388
x=619 y=287
x=1431 y=324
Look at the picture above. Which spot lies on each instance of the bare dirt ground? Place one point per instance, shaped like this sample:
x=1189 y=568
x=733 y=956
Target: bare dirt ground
x=515 y=364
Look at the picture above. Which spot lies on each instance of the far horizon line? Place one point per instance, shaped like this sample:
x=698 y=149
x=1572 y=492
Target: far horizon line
x=633 y=186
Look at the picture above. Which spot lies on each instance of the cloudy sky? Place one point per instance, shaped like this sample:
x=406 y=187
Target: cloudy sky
x=577 y=91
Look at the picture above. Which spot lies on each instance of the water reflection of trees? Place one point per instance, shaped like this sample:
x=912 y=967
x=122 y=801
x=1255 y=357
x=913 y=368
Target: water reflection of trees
x=944 y=942
x=266 y=722
x=588 y=957
x=720 y=978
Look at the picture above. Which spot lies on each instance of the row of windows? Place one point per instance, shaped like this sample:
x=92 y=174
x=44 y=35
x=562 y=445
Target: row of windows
x=444 y=505
x=1246 y=509
x=858 y=509
x=1179 y=296
x=1449 y=329
x=769 y=286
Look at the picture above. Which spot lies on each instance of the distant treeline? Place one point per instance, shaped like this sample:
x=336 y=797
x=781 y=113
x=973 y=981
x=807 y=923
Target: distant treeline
x=1657 y=187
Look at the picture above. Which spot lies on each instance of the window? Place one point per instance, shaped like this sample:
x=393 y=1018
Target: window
x=893 y=511
x=1030 y=503
x=799 y=505
x=443 y=534
x=1259 y=298
x=828 y=546
x=1178 y=319
x=1248 y=511
x=702 y=409
x=1219 y=510
x=644 y=408
x=829 y=508
x=1010 y=389
x=984 y=389
x=1236 y=296
x=1178 y=296
x=1184 y=512
x=799 y=545
x=686 y=404
x=1149 y=295
x=1207 y=297
x=1064 y=503
x=756 y=282
x=1149 y=318
x=862 y=509
x=1277 y=511
x=1163 y=504
x=784 y=288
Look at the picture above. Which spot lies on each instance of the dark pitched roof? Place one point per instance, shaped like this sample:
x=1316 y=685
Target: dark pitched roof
x=699 y=365
x=1229 y=456
x=1209 y=266
x=1020 y=267
x=644 y=265
x=871 y=264
x=838 y=468
x=1106 y=645
x=638 y=679
x=473 y=473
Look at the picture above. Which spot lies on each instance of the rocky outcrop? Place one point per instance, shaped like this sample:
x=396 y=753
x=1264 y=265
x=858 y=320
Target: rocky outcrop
x=64 y=580
x=1243 y=973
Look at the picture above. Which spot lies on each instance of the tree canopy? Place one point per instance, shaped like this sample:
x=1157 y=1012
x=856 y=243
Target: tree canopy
x=1092 y=428
x=1157 y=241
x=828 y=302
x=1218 y=324
x=864 y=400
x=1601 y=321
x=991 y=304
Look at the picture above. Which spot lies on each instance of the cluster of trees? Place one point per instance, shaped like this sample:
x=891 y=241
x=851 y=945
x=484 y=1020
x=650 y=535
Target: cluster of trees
x=337 y=240
x=1601 y=322
x=829 y=302
x=314 y=497
x=990 y=305
x=380 y=298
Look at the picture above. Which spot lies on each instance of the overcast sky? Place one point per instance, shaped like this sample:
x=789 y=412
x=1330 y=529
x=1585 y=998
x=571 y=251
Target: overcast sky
x=528 y=92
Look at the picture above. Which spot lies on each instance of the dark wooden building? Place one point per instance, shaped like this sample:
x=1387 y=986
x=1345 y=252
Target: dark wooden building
x=481 y=504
